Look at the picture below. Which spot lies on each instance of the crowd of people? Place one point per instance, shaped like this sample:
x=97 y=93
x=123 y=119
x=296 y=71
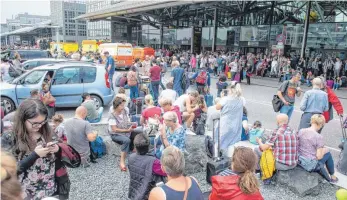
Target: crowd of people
x=151 y=126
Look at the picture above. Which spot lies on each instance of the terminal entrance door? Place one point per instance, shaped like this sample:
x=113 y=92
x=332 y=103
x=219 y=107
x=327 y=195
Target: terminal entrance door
x=254 y=50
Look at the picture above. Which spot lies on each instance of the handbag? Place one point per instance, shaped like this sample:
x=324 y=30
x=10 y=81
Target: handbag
x=267 y=164
x=277 y=103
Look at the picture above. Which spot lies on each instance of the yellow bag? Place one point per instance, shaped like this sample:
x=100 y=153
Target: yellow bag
x=267 y=164
x=229 y=75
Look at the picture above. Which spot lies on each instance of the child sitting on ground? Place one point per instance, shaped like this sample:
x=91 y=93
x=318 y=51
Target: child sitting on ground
x=58 y=127
x=221 y=84
x=256 y=132
x=309 y=78
x=337 y=83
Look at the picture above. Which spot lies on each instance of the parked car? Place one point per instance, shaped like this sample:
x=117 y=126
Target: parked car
x=69 y=80
x=26 y=54
x=31 y=64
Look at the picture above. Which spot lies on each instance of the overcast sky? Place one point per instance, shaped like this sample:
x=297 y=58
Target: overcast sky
x=11 y=8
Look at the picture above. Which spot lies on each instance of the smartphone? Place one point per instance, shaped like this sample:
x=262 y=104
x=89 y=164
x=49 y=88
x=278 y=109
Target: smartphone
x=52 y=143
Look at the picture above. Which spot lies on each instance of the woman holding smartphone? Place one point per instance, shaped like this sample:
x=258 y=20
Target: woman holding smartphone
x=31 y=144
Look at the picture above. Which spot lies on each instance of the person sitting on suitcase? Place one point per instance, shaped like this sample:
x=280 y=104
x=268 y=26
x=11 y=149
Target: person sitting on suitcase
x=143 y=169
x=171 y=134
x=178 y=185
x=240 y=182
x=120 y=128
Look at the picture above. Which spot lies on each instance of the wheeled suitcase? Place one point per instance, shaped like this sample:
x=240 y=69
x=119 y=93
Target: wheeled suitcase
x=138 y=104
x=218 y=163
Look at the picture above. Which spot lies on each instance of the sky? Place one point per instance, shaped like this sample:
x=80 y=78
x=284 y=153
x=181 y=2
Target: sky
x=11 y=8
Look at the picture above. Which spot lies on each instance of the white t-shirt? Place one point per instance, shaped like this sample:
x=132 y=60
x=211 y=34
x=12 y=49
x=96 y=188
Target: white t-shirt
x=169 y=94
x=233 y=66
x=180 y=102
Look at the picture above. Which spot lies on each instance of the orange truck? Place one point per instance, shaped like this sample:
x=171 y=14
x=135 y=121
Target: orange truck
x=122 y=53
x=142 y=52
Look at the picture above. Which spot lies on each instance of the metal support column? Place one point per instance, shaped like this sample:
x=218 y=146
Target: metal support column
x=307 y=22
x=271 y=21
x=214 y=39
x=162 y=36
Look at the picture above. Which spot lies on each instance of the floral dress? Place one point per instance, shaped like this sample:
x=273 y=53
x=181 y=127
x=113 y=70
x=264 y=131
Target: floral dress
x=37 y=181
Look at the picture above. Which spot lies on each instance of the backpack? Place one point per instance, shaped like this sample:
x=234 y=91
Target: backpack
x=267 y=164
x=98 y=147
x=152 y=127
x=13 y=72
x=209 y=146
x=202 y=77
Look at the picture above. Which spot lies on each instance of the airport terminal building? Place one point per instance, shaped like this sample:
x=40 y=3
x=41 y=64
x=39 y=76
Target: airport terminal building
x=248 y=26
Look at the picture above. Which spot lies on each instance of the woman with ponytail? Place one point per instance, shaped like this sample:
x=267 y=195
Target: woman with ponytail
x=239 y=183
x=231 y=107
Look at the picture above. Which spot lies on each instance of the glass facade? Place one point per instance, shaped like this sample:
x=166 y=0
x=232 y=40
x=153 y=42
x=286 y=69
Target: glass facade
x=100 y=30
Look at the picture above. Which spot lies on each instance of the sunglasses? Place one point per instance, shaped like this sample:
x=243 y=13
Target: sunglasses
x=38 y=124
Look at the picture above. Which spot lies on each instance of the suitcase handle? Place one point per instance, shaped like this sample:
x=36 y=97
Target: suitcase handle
x=216 y=144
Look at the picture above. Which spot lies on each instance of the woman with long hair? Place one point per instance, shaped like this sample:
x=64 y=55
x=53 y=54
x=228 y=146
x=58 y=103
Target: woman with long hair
x=240 y=182
x=31 y=144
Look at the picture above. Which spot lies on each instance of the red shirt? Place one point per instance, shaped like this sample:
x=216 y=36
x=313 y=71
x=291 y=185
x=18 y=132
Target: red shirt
x=151 y=112
x=155 y=73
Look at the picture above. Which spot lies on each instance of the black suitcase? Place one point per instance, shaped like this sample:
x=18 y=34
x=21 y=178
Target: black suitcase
x=218 y=164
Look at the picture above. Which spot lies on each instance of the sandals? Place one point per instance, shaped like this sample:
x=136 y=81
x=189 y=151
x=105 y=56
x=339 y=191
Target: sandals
x=334 y=180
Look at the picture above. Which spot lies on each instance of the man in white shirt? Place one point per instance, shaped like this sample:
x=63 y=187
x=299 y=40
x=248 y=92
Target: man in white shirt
x=274 y=67
x=169 y=93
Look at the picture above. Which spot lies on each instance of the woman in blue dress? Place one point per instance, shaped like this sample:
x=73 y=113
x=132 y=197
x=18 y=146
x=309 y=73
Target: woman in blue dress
x=231 y=107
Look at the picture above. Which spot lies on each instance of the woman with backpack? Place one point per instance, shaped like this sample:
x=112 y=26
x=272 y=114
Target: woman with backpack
x=132 y=82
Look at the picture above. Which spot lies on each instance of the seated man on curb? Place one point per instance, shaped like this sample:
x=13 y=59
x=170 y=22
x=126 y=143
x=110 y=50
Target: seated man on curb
x=284 y=143
x=79 y=133
x=94 y=115
x=143 y=169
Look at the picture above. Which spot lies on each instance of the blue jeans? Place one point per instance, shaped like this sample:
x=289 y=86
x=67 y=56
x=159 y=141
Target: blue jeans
x=287 y=77
x=155 y=90
x=288 y=110
x=336 y=86
x=327 y=161
x=98 y=119
x=134 y=92
x=110 y=79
